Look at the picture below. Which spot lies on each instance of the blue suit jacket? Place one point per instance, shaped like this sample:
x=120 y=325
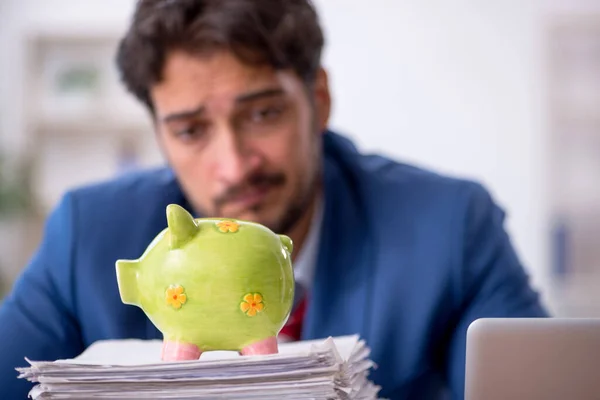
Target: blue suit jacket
x=407 y=258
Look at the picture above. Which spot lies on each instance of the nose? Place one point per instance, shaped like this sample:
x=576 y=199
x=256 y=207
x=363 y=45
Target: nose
x=234 y=159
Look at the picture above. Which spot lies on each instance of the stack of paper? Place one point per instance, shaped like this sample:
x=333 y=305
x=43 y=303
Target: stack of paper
x=336 y=368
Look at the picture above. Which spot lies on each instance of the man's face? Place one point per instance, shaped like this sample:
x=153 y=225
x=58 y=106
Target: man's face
x=243 y=141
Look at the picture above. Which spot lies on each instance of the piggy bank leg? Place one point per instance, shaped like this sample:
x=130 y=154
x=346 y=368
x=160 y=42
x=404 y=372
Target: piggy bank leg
x=263 y=347
x=179 y=351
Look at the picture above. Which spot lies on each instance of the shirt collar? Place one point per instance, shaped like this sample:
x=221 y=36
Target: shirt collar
x=305 y=263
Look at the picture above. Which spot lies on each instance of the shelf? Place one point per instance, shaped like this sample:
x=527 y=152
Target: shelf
x=80 y=126
x=576 y=295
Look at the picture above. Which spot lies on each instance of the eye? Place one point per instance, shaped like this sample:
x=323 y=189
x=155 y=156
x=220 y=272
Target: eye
x=264 y=114
x=191 y=133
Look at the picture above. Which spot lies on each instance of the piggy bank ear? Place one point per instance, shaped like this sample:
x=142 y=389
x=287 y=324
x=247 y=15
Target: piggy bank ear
x=182 y=226
x=287 y=243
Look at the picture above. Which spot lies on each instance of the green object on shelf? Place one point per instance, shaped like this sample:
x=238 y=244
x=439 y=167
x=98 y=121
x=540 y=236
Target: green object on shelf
x=16 y=203
x=15 y=190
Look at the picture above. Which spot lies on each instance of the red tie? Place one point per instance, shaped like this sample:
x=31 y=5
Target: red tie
x=292 y=330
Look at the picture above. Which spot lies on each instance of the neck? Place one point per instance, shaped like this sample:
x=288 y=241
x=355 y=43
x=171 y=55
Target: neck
x=299 y=232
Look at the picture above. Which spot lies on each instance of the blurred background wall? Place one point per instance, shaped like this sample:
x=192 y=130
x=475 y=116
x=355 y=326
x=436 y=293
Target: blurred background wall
x=503 y=91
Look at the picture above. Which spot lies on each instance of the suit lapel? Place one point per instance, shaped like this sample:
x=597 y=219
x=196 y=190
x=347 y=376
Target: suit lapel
x=340 y=299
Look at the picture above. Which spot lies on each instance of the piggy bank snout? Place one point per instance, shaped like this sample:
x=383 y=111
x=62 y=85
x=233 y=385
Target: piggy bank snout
x=127 y=280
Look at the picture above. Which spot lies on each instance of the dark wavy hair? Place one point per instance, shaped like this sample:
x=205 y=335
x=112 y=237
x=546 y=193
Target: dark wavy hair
x=284 y=34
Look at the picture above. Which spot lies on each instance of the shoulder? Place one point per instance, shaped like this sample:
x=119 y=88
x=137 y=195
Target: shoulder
x=132 y=189
x=420 y=185
x=135 y=195
x=128 y=187
x=394 y=187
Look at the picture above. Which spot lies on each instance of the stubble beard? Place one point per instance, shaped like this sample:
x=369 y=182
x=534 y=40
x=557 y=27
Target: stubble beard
x=298 y=208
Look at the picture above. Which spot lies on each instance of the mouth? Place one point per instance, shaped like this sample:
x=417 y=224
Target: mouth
x=251 y=198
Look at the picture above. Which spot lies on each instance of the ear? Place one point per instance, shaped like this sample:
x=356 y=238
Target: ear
x=322 y=99
x=182 y=226
x=287 y=243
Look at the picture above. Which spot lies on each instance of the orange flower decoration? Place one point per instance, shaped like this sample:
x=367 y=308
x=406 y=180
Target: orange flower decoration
x=175 y=296
x=252 y=304
x=228 y=226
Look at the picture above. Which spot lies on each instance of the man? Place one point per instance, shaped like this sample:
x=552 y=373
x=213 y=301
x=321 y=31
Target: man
x=404 y=257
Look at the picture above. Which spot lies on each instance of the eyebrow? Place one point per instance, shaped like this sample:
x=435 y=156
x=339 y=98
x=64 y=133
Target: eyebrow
x=261 y=94
x=245 y=98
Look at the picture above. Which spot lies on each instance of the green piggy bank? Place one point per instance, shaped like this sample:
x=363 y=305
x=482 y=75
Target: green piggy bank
x=212 y=284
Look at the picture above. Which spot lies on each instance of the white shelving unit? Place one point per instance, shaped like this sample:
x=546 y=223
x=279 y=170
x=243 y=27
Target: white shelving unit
x=574 y=128
x=80 y=118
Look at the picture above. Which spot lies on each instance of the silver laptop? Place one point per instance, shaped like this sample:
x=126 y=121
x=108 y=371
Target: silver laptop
x=531 y=359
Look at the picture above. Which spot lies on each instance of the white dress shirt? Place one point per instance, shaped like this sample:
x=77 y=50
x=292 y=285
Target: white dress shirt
x=306 y=261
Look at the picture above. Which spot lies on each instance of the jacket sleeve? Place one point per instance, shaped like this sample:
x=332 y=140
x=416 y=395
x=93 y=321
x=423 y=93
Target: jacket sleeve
x=493 y=283
x=37 y=318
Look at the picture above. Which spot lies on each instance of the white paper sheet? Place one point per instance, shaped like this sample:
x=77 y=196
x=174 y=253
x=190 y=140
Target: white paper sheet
x=333 y=368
